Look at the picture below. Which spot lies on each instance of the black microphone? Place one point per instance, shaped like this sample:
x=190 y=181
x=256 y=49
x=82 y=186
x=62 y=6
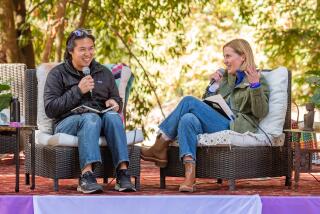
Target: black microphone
x=86 y=71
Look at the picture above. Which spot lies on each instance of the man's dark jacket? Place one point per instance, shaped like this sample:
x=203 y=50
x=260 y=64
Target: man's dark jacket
x=61 y=91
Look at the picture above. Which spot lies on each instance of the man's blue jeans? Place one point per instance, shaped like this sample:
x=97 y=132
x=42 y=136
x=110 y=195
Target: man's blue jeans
x=87 y=127
x=190 y=118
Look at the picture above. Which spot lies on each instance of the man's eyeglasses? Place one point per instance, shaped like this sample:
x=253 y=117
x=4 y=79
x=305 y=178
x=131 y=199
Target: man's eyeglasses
x=81 y=32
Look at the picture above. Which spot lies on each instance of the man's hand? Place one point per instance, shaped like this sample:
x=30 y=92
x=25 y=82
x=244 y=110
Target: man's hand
x=112 y=102
x=86 y=84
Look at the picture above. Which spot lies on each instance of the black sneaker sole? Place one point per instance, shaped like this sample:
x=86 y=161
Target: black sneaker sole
x=127 y=189
x=79 y=189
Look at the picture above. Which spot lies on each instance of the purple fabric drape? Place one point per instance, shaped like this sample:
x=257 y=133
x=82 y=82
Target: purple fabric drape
x=16 y=204
x=290 y=204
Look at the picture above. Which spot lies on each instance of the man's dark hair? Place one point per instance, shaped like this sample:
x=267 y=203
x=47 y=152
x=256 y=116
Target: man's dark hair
x=76 y=35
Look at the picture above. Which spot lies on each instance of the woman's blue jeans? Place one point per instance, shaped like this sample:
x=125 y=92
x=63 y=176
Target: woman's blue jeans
x=87 y=127
x=190 y=118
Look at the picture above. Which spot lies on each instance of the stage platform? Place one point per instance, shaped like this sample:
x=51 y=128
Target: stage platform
x=159 y=204
x=268 y=195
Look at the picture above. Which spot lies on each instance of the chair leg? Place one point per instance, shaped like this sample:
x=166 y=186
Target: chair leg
x=56 y=184
x=288 y=181
x=137 y=183
x=162 y=179
x=219 y=181
x=232 y=185
x=105 y=180
x=27 y=176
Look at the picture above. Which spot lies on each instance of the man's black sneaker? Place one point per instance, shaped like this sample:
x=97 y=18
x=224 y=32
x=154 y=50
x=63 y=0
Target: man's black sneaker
x=88 y=184
x=123 y=183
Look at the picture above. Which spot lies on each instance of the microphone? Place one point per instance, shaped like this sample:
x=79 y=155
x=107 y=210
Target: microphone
x=221 y=71
x=86 y=72
x=214 y=85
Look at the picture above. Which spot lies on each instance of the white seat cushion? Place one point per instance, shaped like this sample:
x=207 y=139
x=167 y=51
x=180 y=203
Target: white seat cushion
x=229 y=137
x=62 y=139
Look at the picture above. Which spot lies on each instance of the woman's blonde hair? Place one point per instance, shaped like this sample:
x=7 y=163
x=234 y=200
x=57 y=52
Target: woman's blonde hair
x=242 y=47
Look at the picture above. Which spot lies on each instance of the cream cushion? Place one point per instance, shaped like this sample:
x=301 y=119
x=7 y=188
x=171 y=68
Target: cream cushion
x=229 y=137
x=278 y=102
x=44 y=123
x=62 y=139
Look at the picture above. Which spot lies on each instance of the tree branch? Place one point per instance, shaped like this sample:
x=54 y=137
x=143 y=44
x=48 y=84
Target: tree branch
x=36 y=6
x=133 y=55
x=140 y=64
x=83 y=13
x=318 y=9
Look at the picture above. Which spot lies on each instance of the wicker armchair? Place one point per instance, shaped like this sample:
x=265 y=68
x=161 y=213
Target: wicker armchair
x=231 y=163
x=14 y=73
x=61 y=162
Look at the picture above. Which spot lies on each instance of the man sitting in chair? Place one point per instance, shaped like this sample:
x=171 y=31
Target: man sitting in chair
x=80 y=80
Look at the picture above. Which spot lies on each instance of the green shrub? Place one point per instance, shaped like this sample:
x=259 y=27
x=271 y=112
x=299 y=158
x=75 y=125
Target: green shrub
x=5 y=96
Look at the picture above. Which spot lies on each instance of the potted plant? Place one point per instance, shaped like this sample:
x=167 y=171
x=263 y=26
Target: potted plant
x=5 y=96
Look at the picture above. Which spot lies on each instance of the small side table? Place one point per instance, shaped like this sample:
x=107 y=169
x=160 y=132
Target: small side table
x=17 y=131
x=298 y=150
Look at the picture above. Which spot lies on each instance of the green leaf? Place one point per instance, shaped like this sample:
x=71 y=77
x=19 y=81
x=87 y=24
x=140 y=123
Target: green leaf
x=316 y=99
x=4 y=87
x=5 y=101
x=315 y=80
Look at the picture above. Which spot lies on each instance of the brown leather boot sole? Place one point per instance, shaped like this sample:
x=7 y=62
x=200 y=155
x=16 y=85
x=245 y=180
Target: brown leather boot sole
x=187 y=188
x=160 y=163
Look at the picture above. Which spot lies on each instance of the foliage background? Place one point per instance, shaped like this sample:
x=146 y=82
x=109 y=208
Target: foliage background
x=171 y=46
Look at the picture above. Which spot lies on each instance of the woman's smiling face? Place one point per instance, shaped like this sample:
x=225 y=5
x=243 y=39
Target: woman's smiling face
x=232 y=60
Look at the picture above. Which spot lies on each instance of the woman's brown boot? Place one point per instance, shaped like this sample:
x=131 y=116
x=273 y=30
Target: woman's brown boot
x=190 y=177
x=157 y=152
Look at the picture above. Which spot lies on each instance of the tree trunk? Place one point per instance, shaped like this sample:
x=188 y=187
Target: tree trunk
x=26 y=49
x=8 y=37
x=318 y=9
x=60 y=28
x=52 y=30
x=83 y=13
x=49 y=41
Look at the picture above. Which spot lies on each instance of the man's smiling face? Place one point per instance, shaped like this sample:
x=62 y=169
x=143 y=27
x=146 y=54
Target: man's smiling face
x=83 y=53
